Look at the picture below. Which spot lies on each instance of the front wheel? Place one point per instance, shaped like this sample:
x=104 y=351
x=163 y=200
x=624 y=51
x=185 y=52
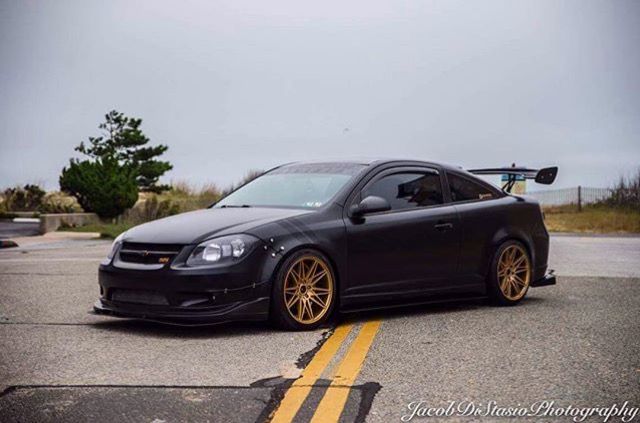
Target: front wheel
x=510 y=274
x=303 y=295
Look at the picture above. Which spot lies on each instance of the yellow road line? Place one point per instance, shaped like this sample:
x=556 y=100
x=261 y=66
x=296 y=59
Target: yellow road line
x=296 y=394
x=335 y=398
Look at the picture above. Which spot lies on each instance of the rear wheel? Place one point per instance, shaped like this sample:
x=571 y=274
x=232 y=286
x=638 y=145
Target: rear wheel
x=304 y=291
x=510 y=274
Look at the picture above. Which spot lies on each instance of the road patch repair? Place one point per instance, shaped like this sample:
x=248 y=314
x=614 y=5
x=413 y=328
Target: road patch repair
x=137 y=403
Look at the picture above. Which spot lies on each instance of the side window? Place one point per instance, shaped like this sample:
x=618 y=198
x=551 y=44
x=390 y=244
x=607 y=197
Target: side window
x=463 y=189
x=407 y=190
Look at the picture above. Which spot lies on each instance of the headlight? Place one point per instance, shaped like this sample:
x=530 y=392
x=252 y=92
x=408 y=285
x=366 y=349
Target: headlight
x=114 y=247
x=222 y=250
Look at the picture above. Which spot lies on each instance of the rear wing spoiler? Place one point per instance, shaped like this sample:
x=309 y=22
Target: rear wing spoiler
x=544 y=176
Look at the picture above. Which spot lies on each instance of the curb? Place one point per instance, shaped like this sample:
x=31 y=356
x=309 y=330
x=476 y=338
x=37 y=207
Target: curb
x=26 y=220
x=7 y=243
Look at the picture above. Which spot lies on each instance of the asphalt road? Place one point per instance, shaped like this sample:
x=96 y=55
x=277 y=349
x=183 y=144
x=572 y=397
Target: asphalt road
x=9 y=229
x=576 y=343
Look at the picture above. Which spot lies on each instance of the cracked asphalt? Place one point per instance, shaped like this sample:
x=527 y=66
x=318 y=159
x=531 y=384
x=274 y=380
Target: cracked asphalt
x=576 y=343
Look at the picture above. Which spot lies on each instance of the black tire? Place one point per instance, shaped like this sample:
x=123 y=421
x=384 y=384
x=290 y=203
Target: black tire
x=279 y=313
x=496 y=293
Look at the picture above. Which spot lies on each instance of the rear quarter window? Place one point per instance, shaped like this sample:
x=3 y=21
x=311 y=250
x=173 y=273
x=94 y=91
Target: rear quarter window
x=463 y=189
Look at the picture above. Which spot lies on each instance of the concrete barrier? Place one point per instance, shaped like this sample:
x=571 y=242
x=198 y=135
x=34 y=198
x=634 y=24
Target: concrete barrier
x=51 y=222
x=26 y=214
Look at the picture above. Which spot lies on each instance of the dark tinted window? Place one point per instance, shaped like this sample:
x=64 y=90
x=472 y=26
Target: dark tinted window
x=406 y=190
x=466 y=190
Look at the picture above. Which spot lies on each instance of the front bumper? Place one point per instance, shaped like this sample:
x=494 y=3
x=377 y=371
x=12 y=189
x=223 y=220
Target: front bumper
x=185 y=296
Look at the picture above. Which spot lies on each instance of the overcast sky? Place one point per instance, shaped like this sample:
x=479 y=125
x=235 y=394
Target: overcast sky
x=236 y=85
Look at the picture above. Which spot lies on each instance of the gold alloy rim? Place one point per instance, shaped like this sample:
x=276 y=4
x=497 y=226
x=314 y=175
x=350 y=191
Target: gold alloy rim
x=514 y=272
x=308 y=289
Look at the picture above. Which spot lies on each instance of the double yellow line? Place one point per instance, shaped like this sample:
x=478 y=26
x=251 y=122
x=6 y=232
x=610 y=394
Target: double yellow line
x=335 y=397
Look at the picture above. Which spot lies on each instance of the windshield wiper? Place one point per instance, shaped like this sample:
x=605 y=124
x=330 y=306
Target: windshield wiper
x=224 y=206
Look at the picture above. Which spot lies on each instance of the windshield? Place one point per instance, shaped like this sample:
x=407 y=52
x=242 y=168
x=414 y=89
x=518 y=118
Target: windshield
x=297 y=185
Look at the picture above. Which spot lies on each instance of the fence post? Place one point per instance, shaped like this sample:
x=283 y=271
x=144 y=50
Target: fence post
x=579 y=198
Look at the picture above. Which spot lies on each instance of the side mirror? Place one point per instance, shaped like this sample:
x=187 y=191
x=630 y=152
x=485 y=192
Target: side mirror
x=370 y=204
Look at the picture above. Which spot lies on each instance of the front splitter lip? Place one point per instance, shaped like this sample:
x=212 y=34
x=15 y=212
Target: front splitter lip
x=548 y=279
x=253 y=310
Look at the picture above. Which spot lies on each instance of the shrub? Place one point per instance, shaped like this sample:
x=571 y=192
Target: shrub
x=27 y=198
x=625 y=194
x=59 y=202
x=102 y=186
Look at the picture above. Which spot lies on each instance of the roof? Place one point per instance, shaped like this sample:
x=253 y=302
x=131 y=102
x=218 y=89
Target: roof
x=376 y=161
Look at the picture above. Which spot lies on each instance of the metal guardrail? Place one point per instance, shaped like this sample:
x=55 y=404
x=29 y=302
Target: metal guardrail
x=578 y=196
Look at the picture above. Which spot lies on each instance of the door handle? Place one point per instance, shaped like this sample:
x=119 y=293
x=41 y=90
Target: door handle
x=443 y=226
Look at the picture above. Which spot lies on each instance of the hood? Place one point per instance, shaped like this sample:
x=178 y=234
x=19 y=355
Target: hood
x=196 y=226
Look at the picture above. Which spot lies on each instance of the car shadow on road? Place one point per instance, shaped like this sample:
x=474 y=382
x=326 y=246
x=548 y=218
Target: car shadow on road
x=401 y=312
x=421 y=310
x=161 y=330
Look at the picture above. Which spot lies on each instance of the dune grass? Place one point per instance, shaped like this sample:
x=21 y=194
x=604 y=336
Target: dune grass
x=592 y=219
x=191 y=197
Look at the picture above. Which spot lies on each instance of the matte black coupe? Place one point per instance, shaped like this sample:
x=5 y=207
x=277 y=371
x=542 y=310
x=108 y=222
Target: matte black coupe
x=307 y=239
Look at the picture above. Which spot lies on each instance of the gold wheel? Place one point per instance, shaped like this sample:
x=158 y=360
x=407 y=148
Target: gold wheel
x=514 y=272
x=308 y=289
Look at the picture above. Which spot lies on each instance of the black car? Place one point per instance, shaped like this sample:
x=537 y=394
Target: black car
x=307 y=239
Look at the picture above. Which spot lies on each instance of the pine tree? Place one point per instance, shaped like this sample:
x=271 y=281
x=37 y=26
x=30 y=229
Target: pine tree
x=124 y=141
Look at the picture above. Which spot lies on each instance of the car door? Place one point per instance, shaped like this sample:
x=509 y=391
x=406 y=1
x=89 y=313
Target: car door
x=411 y=248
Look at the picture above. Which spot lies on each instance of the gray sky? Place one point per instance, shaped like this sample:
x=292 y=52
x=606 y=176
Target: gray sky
x=234 y=85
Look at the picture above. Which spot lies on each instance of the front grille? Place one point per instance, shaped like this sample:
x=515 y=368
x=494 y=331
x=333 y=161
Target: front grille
x=139 y=297
x=145 y=253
